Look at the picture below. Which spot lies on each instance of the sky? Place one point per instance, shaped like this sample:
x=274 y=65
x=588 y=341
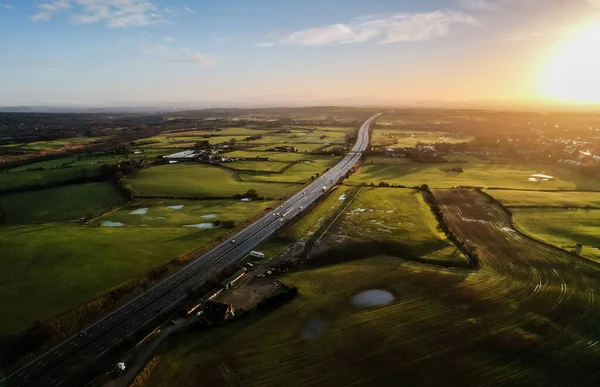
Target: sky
x=284 y=52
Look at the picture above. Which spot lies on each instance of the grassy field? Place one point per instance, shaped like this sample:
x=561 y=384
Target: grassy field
x=513 y=198
x=199 y=180
x=29 y=179
x=297 y=173
x=478 y=175
x=394 y=216
x=265 y=166
x=276 y=156
x=66 y=203
x=178 y=213
x=346 y=345
x=564 y=228
x=381 y=160
x=311 y=220
x=47 y=269
x=56 y=144
x=402 y=138
x=300 y=146
x=222 y=132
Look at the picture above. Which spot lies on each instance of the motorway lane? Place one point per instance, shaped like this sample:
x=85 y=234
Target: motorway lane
x=166 y=295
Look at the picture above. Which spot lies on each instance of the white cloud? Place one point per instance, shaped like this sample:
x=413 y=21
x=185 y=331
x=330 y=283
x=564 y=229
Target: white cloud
x=168 y=39
x=404 y=27
x=195 y=57
x=265 y=44
x=481 y=5
x=188 y=10
x=55 y=5
x=6 y=6
x=152 y=49
x=116 y=13
x=42 y=16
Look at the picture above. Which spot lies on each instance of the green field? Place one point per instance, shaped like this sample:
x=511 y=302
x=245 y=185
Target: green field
x=199 y=180
x=276 y=156
x=381 y=160
x=265 y=166
x=477 y=175
x=66 y=203
x=156 y=212
x=404 y=138
x=563 y=228
x=513 y=198
x=43 y=178
x=396 y=216
x=54 y=144
x=221 y=132
x=307 y=223
x=297 y=173
x=50 y=268
x=322 y=339
x=300 y=146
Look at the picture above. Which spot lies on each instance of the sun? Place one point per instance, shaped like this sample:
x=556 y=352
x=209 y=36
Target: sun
x=574 y=73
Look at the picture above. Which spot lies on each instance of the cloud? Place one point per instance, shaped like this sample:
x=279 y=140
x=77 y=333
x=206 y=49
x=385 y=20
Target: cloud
x=265 y=44
x=55 y=5
x=402 y=27
x=195 y=57
x=116 y=13
x=481 y=5
x=168 y=39
x=188 y=10
x=6 y=6
x=152 y=49
x=42 y=16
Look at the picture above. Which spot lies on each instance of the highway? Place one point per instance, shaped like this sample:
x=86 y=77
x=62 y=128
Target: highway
x=56 y=366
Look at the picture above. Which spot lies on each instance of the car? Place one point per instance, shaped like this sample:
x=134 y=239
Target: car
x=281 y=219
x=173 y=322
x=82 y=333
x=301 y=207
x=200 y=313
x=304 y=193
x=233 y=241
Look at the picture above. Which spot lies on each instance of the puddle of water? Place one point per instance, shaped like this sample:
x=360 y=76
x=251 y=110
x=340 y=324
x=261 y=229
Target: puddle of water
x=209 y=216
x=313 y=329
x=179 y=207
x=373 y=297
x=139 y=211
x=342 y=197
x=108 y=223
x=199 y=225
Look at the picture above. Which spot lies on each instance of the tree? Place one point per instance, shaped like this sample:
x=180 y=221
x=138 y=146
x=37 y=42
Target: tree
x=232 y=141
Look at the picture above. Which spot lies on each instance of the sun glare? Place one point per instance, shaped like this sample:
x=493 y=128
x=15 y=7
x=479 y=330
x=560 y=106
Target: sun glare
x=574 y=72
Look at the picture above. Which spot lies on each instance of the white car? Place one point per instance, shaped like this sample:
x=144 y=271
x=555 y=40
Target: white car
x=233 y=241
x=199 y=314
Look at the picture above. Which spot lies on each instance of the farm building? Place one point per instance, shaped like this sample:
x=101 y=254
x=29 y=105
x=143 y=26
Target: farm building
x=229 y=282
x=217 y=311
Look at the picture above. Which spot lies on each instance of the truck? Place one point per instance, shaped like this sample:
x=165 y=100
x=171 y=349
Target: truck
x=257 y=254
x=324 y=188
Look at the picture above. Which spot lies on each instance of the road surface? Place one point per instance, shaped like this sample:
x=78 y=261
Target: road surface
x=56 y=366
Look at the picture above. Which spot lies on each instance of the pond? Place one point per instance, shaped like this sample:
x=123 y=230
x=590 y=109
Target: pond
x=139 y=211
x=108 y=223
x=200 y=225
x=373 y=297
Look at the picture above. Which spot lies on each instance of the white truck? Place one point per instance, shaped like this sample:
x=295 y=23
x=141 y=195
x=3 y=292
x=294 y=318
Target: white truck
x=257 y=254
